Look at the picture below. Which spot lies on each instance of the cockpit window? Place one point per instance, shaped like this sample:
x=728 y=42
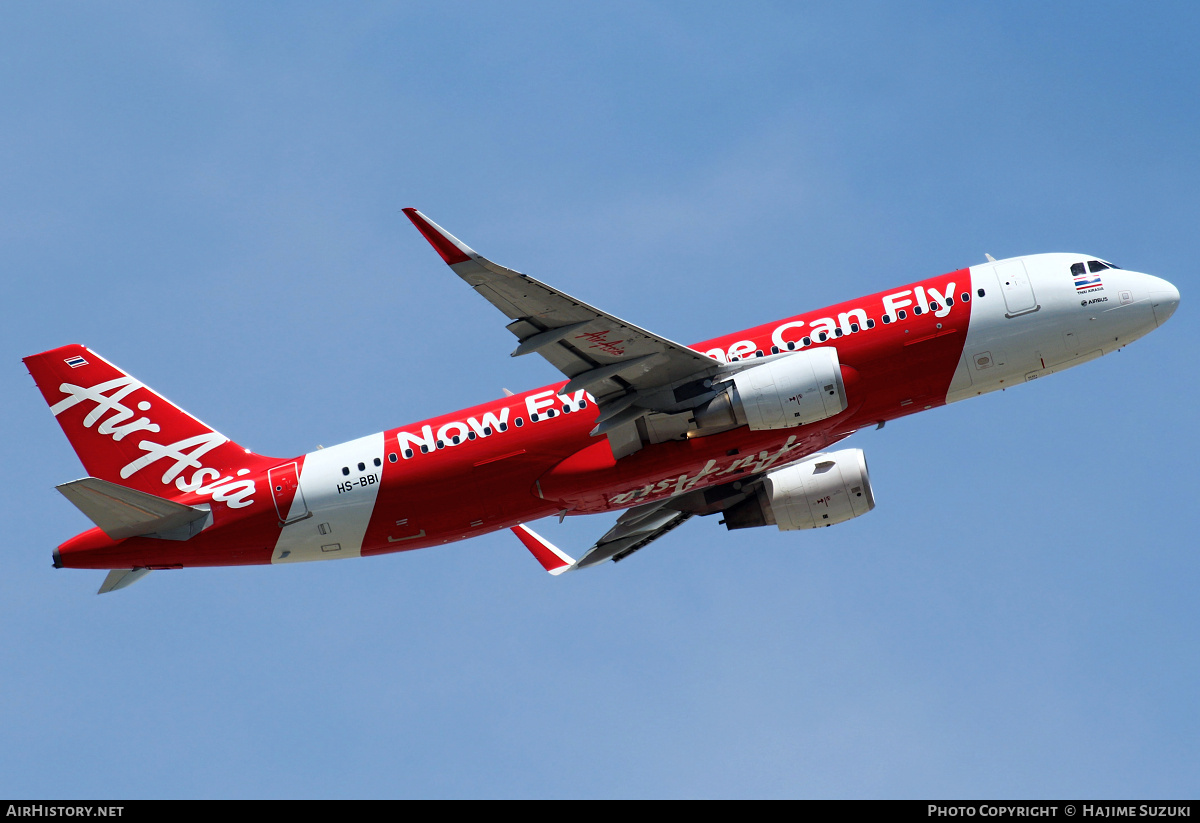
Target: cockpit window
x=1110 y=265
x=1078 y=268
x=1095 y=266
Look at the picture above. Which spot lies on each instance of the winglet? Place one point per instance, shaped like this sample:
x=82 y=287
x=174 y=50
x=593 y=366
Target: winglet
x=447 y=245
x=552 y=559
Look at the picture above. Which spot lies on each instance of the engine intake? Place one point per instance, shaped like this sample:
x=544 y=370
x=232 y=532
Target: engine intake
x=801 y=388
x=820 y=491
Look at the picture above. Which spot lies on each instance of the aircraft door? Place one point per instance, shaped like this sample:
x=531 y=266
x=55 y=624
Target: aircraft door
x=285 y=490
x=1016 y=286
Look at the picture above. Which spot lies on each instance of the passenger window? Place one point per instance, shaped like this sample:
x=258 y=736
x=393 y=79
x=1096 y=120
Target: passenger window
x=853 y=327
x=378 y=462
x=774 y=350
x=981 y=292
x=900 y=315
x=870 y=323
x=822 y=337
x=392 y=457
x=345 y=470
x=408 y=453
x=520 y=421
x=807 y=341
x=837 y=332
x=965 y=297
x=362 y=467
x=791 y=345
x=887 y=318
x=917 y=310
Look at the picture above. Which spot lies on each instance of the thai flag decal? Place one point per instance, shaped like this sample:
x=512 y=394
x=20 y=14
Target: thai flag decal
x=1083 y=282
x=75 y=362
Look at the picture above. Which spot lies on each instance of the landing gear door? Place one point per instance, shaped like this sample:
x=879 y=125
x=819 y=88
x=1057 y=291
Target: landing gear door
x=1016 y=286
x=285 y=490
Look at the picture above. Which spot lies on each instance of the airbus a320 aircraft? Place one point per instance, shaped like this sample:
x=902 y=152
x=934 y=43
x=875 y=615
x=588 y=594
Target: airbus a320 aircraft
x=740 y=425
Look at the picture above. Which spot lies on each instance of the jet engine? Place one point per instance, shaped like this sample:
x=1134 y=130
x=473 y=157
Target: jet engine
x=819 y=491
x=789 y=391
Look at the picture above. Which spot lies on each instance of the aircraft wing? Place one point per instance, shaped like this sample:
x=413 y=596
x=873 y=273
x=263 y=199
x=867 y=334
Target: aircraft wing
x=611 y=358
x=635 y=529
x=640 y=526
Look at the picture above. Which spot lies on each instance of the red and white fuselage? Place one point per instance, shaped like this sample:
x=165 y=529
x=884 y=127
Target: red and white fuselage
x=530 y=455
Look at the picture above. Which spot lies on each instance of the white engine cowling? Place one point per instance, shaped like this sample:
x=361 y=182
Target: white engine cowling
x=801 y=388
x=820 y=491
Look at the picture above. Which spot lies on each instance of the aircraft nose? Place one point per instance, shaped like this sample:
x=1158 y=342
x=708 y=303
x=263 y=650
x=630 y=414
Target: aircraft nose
x=1164 y=297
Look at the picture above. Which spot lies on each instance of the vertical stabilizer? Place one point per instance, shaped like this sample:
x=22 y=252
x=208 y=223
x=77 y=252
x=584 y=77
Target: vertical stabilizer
x=130 y=435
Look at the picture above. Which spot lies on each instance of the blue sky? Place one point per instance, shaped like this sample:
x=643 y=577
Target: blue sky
x=209 y=195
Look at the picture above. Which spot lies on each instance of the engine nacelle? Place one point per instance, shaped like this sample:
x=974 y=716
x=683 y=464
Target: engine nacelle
x=801 y=388
x=822 y=490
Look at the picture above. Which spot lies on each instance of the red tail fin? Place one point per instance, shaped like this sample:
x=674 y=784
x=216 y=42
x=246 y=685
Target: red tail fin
x=126 y=433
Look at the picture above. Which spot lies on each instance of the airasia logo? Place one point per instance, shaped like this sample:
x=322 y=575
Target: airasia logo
x=748 y=464
x=599 y=340
x=181 y=455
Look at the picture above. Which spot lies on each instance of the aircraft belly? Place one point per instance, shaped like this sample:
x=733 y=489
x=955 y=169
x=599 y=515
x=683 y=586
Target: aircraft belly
x=469 y=488
x=341 y=503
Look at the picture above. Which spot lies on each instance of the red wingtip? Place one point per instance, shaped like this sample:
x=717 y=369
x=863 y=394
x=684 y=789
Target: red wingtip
x=445 y=245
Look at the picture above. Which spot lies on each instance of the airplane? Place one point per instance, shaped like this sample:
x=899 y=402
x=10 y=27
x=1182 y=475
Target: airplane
x=739 y=426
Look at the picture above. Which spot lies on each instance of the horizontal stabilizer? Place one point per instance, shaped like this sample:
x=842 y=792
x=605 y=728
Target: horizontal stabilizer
x=121 y=512
x=552 y=559
x=120 y=578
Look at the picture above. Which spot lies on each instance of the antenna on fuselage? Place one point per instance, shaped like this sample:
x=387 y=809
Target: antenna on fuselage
x=989 y=257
